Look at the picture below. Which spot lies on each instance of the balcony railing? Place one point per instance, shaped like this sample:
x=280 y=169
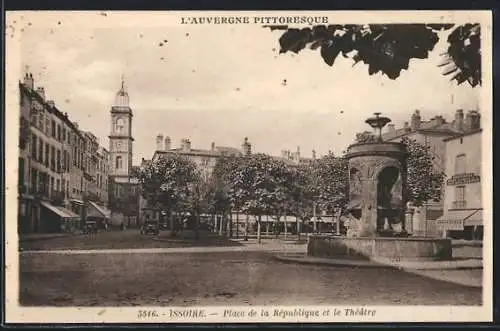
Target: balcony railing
x=459 y=204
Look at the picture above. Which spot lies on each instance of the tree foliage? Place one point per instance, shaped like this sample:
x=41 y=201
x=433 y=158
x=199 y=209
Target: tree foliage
x=424 y=182
x=388 y=48
x=332 y=182
x=167 y=183
x=365 y=137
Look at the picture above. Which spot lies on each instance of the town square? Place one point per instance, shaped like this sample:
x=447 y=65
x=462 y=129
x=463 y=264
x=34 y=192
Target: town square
x=189 y=166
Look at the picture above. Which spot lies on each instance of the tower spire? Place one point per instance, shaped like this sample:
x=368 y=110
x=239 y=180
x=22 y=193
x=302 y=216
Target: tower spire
x=123 y=81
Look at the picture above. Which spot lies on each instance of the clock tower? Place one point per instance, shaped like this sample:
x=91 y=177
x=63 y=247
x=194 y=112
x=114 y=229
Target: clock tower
x=120 y=138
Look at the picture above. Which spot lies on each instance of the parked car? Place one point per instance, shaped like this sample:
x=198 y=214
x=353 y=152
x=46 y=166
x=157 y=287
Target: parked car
x=150 y=227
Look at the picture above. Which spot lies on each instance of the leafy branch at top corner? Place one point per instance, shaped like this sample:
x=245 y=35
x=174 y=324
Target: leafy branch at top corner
x=386 y=48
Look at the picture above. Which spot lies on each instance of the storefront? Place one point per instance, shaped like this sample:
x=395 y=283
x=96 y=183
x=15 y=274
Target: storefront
x=462 y=224
x=99 y=214
x=54 y=219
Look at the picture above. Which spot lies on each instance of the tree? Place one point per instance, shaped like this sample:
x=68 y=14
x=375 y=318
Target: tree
x=365 y=137
x=258 y=185
x=302 y=192
x=333 y=183
x=198 y=197
x=388 y=48
x=424 y=182
x=219 y=195
x=166 y=184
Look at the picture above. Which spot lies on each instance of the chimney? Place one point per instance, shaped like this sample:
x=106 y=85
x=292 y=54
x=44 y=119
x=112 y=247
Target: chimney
x=159 y=142
x=390 y=128
x=52 y=104
x=283 y=153
x=185 y=145
x=314 y=154
x=212 y=147
x=168 y=143
x=406 y=126
x=246 y=147
x=298 y=152
x=439 y=120
x=415 y=120
x=41 y=92
x=459 y=120
x=28 y=81
x=472 y=121
x=76 y=125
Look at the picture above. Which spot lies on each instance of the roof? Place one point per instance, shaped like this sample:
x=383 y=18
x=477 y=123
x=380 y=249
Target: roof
x=52 y=109
x=464 y=134
x=426 y=127
x=216 y=152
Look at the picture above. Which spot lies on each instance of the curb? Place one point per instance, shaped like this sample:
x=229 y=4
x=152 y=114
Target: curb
x=22 y=240
x=377 y=263
x=332 y=262
x=374 y=264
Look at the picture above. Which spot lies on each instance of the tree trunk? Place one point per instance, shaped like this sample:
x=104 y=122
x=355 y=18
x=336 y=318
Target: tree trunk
x=196 y=226
x=230 y=224
x=314 y=218
x=298 y=227
x=277 y=227
x=285 y=225
x=267 y=225
x=258 y=229
x=338 y=222
x=246 y=227
x=221 y=225
x=237 y=225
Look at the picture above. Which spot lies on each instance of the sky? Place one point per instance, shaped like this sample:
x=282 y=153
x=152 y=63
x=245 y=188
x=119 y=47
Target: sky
x=221 y=83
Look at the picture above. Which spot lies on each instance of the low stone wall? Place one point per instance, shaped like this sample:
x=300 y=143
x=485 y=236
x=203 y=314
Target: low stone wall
x=396 y=249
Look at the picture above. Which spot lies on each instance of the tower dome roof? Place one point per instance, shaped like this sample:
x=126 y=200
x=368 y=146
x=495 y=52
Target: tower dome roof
x=122 y=99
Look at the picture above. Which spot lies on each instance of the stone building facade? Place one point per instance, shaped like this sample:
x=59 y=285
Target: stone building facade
x=52 y=168
x=431 y=133
x=463 y=209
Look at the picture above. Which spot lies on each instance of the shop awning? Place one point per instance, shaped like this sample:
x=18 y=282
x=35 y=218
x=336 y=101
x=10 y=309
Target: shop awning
x=59 y=211
x=475 y=219
x=104 y=212
x=454 y=219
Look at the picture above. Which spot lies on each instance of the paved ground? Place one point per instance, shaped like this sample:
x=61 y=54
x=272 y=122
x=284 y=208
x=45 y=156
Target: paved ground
x=220 y=278
x=130 y=239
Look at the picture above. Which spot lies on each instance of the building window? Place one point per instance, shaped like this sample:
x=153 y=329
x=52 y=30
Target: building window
x=34 y=180
x=41 y=121
x=40 y=151
x=52 y=158
x=58 y=185
x=64 y=134
x=120 y=125
x=53 y=127
x=47 y=155
x=459 y=197
x=33 y=147
x=47 y=126
x=118 y=163
x=34 y=117
x=58 y=132
x=20 y=178
x=460 y=164
x=58 y=161
x=51 y=184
